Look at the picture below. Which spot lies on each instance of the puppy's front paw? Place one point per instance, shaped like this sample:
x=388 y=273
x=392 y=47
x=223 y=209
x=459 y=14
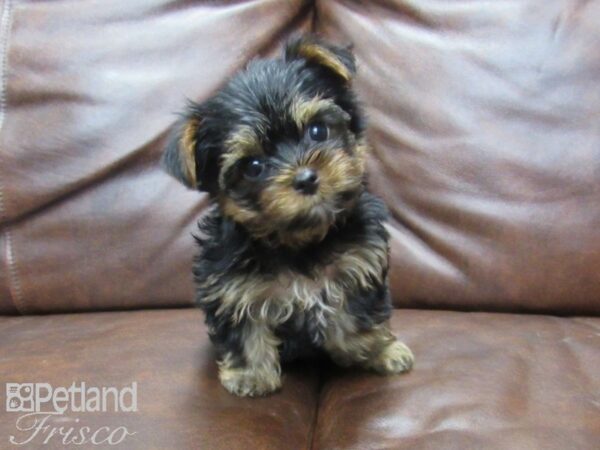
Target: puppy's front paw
x=247 y=382
x=395 y=358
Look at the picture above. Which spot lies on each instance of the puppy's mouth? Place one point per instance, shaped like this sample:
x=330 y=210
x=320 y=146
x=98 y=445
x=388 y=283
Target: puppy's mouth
x=318 y=217
x=293 y=220
x=313 y=221
x=286 y=205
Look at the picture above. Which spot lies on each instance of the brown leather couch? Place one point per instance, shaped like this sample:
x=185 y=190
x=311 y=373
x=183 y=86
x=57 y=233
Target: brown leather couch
x=485 y=123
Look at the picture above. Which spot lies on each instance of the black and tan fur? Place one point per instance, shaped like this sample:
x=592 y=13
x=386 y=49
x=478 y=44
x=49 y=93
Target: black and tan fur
x=288 y=269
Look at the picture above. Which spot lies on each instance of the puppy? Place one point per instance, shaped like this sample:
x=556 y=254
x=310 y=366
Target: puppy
x=294 y=253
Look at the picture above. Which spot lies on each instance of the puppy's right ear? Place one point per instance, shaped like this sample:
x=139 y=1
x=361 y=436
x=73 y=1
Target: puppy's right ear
x=338 y=60
x=179 y=158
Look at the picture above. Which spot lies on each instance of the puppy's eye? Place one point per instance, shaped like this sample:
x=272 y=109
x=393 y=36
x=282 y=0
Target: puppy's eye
x=254 y=168
x=318 y=131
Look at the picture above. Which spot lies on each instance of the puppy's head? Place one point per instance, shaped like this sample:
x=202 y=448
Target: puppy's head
x=280 y=147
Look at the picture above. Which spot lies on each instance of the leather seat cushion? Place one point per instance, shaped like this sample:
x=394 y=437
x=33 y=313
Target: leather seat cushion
x=180 y=401
x=493 y=381
x=480 y=381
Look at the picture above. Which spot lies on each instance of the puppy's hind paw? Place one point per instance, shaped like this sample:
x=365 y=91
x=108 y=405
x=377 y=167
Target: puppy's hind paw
x=395 y=358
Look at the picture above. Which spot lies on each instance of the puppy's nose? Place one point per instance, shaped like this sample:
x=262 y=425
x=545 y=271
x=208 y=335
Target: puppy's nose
x=306 y=181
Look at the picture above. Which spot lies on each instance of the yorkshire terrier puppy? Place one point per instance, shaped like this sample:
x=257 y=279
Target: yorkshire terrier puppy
x=294 y=253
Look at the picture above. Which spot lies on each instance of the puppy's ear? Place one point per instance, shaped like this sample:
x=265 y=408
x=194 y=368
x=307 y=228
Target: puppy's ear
x=179 y=159
x=339 y=60
x=191 y=155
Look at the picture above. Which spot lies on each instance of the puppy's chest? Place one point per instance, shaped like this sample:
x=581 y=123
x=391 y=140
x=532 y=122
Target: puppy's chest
x=312 y=307
x=327 y=288
x=282 y=293
x=274 y=298
x=293 y=295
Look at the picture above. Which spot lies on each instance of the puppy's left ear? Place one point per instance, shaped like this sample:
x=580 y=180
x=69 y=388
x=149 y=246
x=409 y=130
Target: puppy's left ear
x=338 y=60
x=179 y=158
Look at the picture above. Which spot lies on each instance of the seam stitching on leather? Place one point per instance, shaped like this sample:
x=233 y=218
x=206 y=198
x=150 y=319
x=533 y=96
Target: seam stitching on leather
x=14 y=283
x=312 y=437
x=13 y=275
x=4 y=29
x=5 y=8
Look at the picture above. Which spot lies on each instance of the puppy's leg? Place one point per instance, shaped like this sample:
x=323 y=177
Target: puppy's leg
x=257 y=370
x=375 y=349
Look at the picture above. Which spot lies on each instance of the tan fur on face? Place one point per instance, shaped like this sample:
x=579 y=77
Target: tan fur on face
x=304 y=110
x=280 y=203
x=237 y=212
x=243 y=142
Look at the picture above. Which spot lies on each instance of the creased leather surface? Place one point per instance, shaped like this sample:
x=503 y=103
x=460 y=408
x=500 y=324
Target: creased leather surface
x=485 y=125
x=92 y=89
x=485 y=120
x=481 y=381
x=181 y=404
x=6 y=304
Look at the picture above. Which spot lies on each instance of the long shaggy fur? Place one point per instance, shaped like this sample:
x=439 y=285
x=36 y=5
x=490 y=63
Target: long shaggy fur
x=287 y=269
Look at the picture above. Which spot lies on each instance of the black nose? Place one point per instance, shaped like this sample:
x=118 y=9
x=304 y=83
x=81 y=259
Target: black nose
x=306 y=181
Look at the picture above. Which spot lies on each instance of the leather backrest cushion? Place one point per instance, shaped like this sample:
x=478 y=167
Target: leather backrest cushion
x=91 y=90
x=484 y=120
